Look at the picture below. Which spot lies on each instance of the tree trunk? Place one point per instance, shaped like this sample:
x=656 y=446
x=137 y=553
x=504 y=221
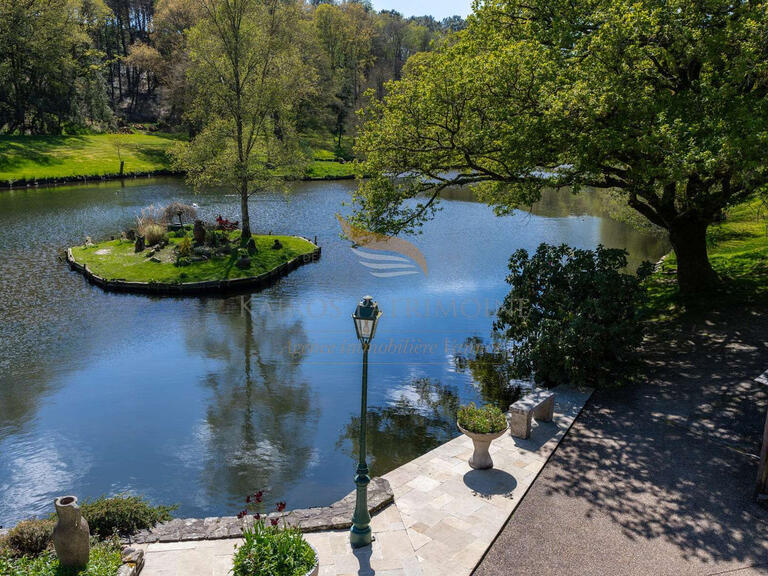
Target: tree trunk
x=246 y=219
x=689 y=241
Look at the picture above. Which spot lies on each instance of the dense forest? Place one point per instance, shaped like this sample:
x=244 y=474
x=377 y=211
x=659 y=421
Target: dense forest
x=68 y=66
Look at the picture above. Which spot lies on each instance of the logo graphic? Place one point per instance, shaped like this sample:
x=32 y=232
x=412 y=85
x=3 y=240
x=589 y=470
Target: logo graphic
x=368 y=244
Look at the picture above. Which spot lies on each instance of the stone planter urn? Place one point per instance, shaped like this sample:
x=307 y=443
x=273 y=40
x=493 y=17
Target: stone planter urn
x=316 y=568
x=71 y=536
x=481 y=458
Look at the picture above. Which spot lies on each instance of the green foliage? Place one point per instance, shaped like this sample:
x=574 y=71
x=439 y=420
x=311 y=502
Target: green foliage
x=483 y=420
x=50 y=76
x=273 y=550
x=30 y=537
x=104 y=560
x=658 y=100
x=184 y=247
x=122 y=515
x=573 y=316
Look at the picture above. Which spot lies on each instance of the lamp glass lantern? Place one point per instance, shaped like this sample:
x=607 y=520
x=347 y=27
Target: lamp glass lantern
x=366 y=317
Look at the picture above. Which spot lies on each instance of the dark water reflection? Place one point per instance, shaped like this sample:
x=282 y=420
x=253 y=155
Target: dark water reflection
x=199 y=401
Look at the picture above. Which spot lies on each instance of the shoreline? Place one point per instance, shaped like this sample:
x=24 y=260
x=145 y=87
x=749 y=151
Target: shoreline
x=205 y=287
x=69 y=180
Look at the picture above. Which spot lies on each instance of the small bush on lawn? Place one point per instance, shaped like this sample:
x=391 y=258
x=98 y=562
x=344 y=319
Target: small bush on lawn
x=29 y=538
x=572 y=316
x=105 y=560
x=483 y=420
x=122 y=515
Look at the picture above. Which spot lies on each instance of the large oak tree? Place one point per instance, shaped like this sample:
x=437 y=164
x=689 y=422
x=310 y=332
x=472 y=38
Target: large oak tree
x=663 y=100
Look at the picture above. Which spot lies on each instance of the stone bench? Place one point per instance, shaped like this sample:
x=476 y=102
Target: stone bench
x=539 y=405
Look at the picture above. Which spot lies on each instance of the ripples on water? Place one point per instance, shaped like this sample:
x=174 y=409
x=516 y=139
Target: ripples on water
x=198 y=401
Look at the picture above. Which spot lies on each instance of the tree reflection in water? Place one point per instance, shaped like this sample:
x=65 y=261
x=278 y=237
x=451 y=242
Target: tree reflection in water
x=420 y=419
x=492 y=374
x=260 y=420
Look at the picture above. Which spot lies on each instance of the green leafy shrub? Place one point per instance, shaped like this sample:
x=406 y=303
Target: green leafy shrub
x=30 y=537
x=272 y=550
x=123 y=515
x=181 y=233
x=572 y=316
x=183 y=261
x=483 y=420
x=184 y=248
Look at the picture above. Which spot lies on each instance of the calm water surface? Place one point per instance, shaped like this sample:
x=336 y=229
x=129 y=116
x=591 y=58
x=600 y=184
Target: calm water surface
x=198 y=401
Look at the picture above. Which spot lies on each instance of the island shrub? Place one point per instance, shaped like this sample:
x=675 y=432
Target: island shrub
x=153 y=234
x=170 y=214
x=271 y=546
x=184 y=247
x=485 y=420
x=29 y=537
x=573 y=316
x=122 y=515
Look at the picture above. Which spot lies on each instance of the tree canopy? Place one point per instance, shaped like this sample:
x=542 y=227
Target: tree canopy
x=662 y=100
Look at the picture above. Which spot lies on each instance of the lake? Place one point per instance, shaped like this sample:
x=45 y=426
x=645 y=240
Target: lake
x=199 y=401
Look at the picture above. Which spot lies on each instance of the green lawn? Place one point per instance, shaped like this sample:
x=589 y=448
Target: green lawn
x=738 y=250
x=116 y=260
x=40 y=157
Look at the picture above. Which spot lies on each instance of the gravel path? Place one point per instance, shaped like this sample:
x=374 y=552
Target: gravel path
x=656 y=479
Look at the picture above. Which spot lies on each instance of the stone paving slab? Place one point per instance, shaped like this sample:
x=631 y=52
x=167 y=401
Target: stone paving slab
x=444 y=517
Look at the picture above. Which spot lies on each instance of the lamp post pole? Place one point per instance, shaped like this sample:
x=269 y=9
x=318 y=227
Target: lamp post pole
x=366 y=316
x=360 y=534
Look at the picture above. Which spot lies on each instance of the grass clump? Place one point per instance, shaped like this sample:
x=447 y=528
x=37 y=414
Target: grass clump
x=122 y=515
x=485 y=420
x=105 y=559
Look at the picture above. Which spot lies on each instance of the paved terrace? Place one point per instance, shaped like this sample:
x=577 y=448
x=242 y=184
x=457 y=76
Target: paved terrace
x=444 y=517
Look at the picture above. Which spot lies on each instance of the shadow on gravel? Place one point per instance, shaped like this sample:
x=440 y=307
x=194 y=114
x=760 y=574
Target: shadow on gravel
x=659 y=474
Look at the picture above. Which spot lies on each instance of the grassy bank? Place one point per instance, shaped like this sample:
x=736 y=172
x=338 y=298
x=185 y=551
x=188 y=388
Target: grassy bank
x=738 y=251
x=94 y=155
x=117 y=260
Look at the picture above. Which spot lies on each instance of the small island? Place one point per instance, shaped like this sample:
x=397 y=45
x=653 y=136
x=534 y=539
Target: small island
x=175 y=258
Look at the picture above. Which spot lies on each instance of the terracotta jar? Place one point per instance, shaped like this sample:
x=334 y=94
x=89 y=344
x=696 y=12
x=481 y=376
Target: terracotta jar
x=71 y=536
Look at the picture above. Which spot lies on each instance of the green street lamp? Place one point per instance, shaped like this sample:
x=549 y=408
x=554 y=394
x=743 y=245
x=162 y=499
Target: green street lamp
x=366 y=317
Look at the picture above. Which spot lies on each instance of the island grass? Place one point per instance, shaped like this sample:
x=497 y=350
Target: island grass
x=30 y=158
x=119 y=261
x=738 y=251
x=105 y=559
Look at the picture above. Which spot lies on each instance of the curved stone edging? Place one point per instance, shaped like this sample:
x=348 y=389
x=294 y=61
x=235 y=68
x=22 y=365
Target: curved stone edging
x=337 y=516
x=192 y=288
